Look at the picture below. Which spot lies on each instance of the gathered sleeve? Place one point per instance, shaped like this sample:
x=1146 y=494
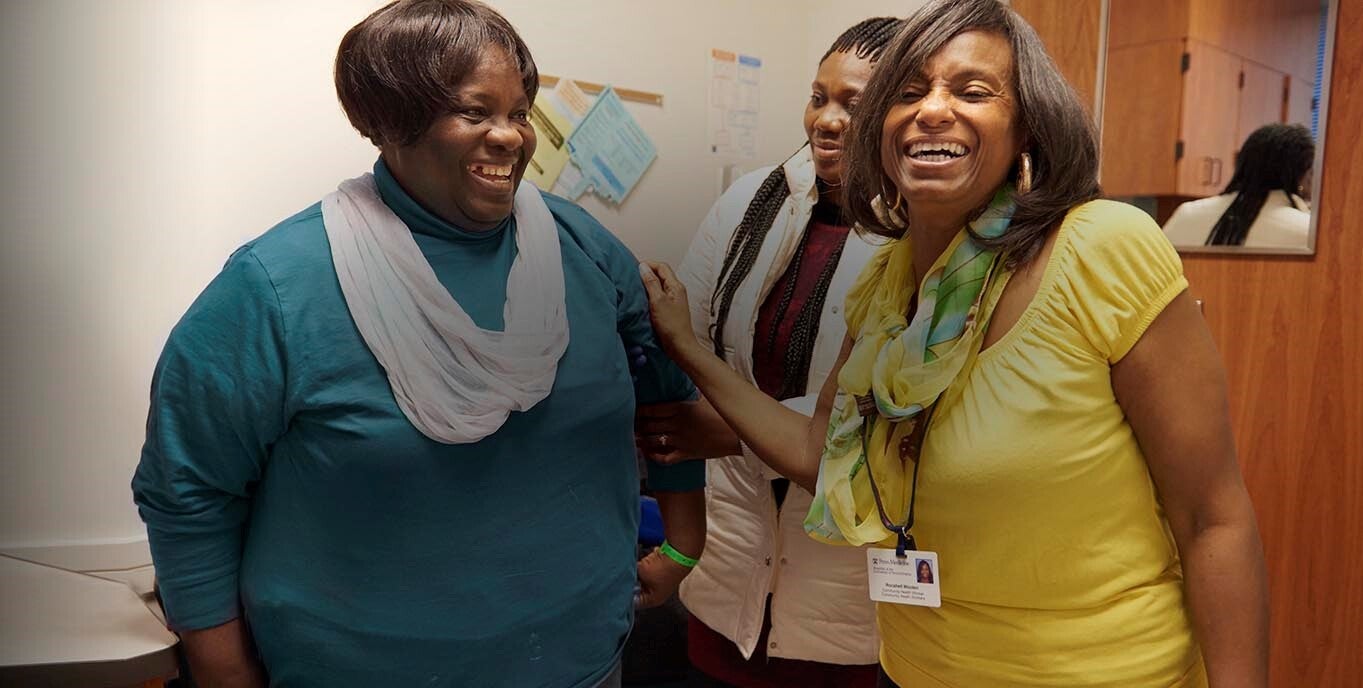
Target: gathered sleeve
x=1119 y=271
x=217 y=406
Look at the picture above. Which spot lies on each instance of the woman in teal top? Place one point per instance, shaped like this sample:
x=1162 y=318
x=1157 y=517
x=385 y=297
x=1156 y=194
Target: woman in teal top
x=303 y=472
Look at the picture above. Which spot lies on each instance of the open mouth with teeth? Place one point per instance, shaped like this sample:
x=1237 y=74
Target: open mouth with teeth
x=493 y=173
x=937 y=151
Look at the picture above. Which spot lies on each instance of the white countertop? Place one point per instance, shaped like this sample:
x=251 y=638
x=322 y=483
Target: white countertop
x=52 y=618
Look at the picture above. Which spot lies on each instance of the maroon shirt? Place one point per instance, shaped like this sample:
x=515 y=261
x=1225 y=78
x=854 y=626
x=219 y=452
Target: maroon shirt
x=824 y=235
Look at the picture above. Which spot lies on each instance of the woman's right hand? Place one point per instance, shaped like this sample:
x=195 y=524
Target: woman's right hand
x=677 y=431
x=669 y=310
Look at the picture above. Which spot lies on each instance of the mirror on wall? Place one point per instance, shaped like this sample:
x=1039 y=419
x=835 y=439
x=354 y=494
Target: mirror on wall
x=1213 y=118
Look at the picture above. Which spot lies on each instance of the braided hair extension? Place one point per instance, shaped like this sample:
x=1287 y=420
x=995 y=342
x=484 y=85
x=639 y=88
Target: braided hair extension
x=805 y=331
x=1274 y=158
x=787 y=295
x=743 y=249
x=868 y=39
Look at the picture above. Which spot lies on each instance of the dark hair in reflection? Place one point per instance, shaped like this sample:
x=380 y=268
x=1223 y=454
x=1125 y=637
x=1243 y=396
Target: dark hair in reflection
x=867 y=40
x=398 y=70
x=1274 y=158
x=1057 y=131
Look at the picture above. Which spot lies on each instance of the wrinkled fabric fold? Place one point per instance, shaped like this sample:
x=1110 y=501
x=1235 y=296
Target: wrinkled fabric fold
x=455 y=382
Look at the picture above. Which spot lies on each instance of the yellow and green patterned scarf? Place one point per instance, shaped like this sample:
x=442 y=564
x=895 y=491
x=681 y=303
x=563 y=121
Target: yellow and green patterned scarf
x=903 y=366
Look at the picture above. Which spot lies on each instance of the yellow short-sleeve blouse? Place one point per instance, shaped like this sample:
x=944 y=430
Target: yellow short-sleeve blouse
x=1057 y=565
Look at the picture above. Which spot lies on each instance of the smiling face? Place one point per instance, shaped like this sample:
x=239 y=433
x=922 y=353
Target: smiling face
x=837 y=85
x=467 y=166
x=953 y=134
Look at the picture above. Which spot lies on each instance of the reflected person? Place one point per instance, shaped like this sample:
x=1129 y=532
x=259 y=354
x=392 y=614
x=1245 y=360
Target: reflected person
x=1264 y=205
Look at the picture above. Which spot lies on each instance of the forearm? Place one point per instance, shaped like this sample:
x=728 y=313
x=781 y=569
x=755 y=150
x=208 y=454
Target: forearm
x=683 y=516
x=223 y=657
x=1228 y=596
x=778 y=435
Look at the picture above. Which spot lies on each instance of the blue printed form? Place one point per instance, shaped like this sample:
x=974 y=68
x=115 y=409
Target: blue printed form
x=610 y=148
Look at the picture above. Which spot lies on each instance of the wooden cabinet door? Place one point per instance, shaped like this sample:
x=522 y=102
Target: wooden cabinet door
x=1279 y=34
x=1300 y=101
x=1211 y=102
x=1136 y=22
x=1141 y=119
x=1262 y=100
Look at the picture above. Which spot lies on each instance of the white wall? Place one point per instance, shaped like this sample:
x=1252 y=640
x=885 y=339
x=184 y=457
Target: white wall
x=146 y=139
x=665 y=47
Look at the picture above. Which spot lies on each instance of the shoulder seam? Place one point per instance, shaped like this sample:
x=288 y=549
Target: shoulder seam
x=283 y=325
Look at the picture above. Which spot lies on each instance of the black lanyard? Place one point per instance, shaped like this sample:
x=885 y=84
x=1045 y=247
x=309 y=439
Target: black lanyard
x=904 y=539
x=867 y=407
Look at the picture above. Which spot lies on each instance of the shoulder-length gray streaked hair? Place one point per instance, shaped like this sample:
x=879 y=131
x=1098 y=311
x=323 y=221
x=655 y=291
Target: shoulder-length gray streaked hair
x=1057 y=130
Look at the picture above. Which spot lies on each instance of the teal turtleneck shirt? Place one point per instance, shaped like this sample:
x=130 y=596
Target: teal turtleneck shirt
x=280 y=479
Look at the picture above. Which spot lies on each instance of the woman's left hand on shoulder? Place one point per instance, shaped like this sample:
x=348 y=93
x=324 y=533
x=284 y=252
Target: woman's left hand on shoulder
x=669 y=309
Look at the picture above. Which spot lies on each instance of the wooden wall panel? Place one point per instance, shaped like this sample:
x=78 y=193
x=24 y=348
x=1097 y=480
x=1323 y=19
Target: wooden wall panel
x=1070 y=30
x=1291 y=332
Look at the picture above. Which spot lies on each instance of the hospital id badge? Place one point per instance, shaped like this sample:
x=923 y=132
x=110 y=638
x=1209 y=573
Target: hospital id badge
x=913 y=579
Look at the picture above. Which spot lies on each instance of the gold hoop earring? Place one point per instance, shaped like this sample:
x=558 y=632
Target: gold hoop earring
x=888 y=214
x=1024 y=184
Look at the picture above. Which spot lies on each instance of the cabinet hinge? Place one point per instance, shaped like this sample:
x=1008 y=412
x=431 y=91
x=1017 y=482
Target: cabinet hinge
x=1183 y=66
x=1178 y=150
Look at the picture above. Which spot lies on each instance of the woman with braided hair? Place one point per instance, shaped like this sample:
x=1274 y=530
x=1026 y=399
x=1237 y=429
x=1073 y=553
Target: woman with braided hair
x=771 y=266
x=1263 y=206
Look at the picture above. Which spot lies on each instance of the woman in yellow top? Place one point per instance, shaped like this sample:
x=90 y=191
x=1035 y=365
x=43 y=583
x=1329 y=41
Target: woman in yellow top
x=1045 y=401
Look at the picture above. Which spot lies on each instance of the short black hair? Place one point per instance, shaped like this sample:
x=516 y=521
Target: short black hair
x=397 y=70
x=1058 y=132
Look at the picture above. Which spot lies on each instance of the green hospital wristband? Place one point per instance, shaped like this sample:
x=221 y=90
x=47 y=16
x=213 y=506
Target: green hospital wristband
x=671 y=553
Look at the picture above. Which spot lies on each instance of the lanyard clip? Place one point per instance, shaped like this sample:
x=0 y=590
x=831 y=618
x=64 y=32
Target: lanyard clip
x=904 y=542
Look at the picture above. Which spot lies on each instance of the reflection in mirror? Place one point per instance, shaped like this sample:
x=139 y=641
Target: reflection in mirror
x=1213 y=119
